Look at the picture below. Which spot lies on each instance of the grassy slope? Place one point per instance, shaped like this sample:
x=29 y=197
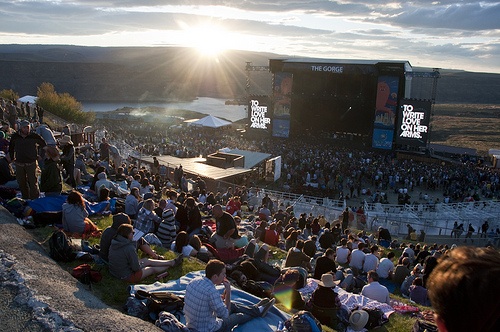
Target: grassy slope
x=114 y=292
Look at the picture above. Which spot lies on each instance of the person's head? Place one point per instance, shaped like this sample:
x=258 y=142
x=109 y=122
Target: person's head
x=181 y=240
x=330 y=253
x=215 y=270
x=149 y=204
x=300 y=244
x=291 y=277
x=374 y=249
x=104 y=194
x=418 y=281
x=190 y=203
x=293 y=236
x=390 y=255
x=463 y=289
x=372 y=276
x=195 y=242
x=135 y=192
x=120 y=219
x=343 y=242
x=239 y=277
x=24 y=127
x=75 y=198
x=361 y=246
x=406 y=261
x=217 y=211
x=125 y=230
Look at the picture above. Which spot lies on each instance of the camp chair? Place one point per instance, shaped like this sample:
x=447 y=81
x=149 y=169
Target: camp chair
x=326 y=316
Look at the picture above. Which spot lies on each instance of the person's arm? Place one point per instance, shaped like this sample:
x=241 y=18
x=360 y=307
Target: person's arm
x=227 y=294
x=229 y=233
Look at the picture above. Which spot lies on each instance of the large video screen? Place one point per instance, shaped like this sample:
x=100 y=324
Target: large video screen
x=259 y=115
x=413 y=122
x=385 y=112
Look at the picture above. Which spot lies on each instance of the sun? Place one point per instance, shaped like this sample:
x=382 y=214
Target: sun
x=208 y=39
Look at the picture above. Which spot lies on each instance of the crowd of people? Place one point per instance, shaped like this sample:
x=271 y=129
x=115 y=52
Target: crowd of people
x=235 y=239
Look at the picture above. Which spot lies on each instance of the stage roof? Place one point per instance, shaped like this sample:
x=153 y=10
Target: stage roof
x=298 y=63
x=252 y=158
x=196 y=166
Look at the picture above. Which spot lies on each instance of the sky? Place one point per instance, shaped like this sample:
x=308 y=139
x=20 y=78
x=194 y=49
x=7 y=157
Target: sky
x=448 y=34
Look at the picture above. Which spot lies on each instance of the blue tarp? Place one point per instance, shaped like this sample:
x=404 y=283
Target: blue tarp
x=55 y=203
x=267 y=323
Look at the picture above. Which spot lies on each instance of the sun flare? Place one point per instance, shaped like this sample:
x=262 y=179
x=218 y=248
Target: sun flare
x=208 y=39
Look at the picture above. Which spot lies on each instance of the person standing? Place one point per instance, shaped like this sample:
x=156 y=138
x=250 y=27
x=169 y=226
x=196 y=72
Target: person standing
x=68 y=159
x=206 y=311
x=104 y=150
x=345 y=219
x=23 y=151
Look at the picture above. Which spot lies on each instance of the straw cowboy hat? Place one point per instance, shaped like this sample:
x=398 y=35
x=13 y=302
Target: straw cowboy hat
x=358 y=320
x=65 y=140
x=328 y=281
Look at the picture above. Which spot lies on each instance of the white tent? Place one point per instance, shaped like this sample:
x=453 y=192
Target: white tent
x=211 y=122
x=28 y=98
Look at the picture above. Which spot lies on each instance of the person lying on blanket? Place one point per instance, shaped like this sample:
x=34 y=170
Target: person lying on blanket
x=206 y=311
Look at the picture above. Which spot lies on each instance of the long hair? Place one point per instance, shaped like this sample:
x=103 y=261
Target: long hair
x=76 y=198
x=181 y=240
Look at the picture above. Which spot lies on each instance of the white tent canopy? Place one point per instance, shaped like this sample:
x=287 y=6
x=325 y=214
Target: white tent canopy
x=211 y=122
x=28 y=98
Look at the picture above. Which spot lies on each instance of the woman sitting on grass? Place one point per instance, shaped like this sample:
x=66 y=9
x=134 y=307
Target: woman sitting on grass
x=124 y=263
x=181 y=245
x=75 y=217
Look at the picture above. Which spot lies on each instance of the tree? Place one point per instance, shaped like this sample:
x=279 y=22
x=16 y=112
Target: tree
x=9 y=94
x=62 y=104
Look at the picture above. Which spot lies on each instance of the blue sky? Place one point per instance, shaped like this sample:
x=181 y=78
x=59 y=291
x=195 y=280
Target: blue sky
x=447 y=34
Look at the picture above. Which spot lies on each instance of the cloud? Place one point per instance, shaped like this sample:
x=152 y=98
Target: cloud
x=423 y=30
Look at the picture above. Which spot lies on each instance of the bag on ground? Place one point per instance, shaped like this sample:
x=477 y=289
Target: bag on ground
x=86 y=275
x=303 y=321
x=60 y=247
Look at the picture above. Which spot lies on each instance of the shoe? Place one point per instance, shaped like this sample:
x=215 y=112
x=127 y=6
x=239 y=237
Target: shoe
x=262 y=302
x=178 y=260
x=267 y=306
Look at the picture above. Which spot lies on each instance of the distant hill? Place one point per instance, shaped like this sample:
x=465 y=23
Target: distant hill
x=160 y=73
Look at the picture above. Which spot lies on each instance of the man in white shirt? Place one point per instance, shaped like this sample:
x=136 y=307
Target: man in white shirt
x=343 y=253
x=374 y=290
x=386 y=266
x=371 y=260
x=358 y=257
x=411 y=252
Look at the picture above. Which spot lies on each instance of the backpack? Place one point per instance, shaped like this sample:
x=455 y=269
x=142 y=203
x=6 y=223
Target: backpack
x=157 y=302
x=60 y=247
x=303 y=321
x=375 y=318
x=86 y=275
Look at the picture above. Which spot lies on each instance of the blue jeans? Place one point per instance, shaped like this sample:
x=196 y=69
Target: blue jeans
x=239 y=314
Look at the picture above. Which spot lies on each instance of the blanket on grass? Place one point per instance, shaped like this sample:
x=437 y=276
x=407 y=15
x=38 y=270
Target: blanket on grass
x=178 y=287
x=349 y=300
x=55 y=203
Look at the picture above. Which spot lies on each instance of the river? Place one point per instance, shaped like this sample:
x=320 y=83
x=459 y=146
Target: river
x=210 y=106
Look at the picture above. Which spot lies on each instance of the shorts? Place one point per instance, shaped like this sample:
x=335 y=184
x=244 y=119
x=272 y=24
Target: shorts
x=134 y=277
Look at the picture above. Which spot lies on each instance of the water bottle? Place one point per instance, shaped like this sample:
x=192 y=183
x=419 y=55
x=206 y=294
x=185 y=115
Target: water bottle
x=280 y=326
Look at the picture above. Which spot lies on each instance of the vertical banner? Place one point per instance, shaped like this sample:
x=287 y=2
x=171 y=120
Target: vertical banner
x=385 y=112
x=259 y=120
x=282 y=103
x=413 y=122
